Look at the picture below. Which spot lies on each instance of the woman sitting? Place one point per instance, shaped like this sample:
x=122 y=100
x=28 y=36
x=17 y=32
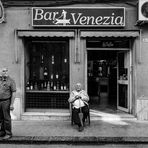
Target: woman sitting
x=79 y=100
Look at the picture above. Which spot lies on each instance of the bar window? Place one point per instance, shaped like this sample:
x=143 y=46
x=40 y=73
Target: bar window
x=47 y=73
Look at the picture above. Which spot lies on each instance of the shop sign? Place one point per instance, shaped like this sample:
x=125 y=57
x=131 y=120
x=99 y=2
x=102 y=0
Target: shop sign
x=1 y=12
x=86 y=16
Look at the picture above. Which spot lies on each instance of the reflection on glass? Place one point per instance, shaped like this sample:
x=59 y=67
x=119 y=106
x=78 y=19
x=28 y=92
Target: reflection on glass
x=123 y=95
x=123 y=73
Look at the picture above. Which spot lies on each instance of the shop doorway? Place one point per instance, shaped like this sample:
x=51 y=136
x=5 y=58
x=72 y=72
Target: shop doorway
x=108 y=79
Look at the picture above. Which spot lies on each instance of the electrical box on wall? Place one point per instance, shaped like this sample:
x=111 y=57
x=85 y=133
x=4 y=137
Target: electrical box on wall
x=143 y=10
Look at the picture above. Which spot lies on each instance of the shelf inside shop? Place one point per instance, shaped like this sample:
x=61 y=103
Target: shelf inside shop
x=45 y=91
x=123 y=82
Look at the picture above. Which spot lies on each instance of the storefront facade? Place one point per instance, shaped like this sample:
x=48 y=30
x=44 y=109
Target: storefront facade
x=51 y=48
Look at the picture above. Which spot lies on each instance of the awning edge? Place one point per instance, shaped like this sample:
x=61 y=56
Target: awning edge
x=32 y=33
x=109 y=34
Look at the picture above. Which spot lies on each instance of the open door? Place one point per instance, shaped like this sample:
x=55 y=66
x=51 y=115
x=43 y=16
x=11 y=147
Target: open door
x=123 y=80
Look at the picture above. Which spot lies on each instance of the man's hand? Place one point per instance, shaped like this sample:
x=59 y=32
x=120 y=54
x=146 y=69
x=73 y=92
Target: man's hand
x=11 y=107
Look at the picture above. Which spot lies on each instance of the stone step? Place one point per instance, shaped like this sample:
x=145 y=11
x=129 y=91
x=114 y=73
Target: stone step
x=45 y=116
x=74 y=140
x=94 y=115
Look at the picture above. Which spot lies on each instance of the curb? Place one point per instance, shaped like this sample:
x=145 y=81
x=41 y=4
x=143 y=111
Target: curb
x=73 y=140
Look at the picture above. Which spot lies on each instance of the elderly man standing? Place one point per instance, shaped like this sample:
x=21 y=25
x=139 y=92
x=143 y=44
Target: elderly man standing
x=7 y=96
x=79 y=99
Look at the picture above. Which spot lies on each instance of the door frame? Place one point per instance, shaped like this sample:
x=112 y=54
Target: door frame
x=128 y=82
x=129 y=74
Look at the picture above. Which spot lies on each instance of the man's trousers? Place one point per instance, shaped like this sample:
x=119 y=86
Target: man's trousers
x=5 y=118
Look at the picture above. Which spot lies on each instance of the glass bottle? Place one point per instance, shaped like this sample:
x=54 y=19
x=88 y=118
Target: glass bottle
x=41 y=72
x=52 y=59
x=58 y=85
x=54 y=86
x=34 y=75
x=45 y=73
x=42 y=85
x=57 y=76
x=48 y=85
x=51 y=84
x=61 y=86
x=36 y=86
x=31 y=86
x=42 y=59
x=65 y=86
x=65 y=60
x=45 y=85
x=28 y=86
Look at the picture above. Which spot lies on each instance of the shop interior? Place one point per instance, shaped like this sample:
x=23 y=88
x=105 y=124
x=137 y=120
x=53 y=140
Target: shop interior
x=102 y=79
x=107 y=73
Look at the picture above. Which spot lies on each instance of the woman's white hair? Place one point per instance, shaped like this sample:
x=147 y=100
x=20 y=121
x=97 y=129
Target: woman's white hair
x=78 y=85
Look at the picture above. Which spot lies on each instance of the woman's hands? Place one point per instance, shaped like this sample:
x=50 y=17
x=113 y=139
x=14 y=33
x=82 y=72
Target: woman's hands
x=77 y=97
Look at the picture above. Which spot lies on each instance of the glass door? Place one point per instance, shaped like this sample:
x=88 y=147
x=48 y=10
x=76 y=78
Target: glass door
x=123 y=80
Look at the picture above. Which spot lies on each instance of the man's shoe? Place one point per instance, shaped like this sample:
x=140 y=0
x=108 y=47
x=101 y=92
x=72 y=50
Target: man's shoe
x=2 y=134
x=6 y=137
x=81 y=128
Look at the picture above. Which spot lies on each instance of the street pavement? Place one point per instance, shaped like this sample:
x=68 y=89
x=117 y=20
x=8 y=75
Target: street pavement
x=61 y=131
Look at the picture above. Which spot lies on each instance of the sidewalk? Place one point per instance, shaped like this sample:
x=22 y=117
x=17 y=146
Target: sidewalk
x=56 y=131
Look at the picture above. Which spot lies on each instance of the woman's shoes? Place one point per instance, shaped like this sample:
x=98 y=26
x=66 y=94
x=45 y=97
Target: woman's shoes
x=81 y=128
x=6 y=137
x=2 y=134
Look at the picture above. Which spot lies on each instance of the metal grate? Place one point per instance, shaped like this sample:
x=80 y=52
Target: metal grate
x=47 y=100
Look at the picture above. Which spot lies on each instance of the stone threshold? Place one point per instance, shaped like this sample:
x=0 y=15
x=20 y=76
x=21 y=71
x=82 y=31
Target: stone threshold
x=74 y=140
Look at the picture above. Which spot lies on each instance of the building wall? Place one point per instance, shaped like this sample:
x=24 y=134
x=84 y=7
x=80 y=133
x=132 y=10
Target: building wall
x=11 y=50
x=142 y=75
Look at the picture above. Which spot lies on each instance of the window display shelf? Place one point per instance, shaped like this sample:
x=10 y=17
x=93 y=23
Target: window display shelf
x=47 y=99
x=123 y=82
x=46 y=91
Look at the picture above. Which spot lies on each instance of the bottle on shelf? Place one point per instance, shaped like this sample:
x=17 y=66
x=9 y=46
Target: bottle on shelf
x=65 y=88
x=65 y=60
x=48 y=85
x=58 y=85
x=57 y=76
x=31 y=86
x=34 y=75
x=36 y=86
x=51 y=76
x=28 y=85
x=45 y=85
x=52 y=59
x=45 y=73
x=57 y=82
x=51 y=85
x=41 y=72
x=54 y=86
x=61 y=88
x=42 y=58
x=42 y=85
